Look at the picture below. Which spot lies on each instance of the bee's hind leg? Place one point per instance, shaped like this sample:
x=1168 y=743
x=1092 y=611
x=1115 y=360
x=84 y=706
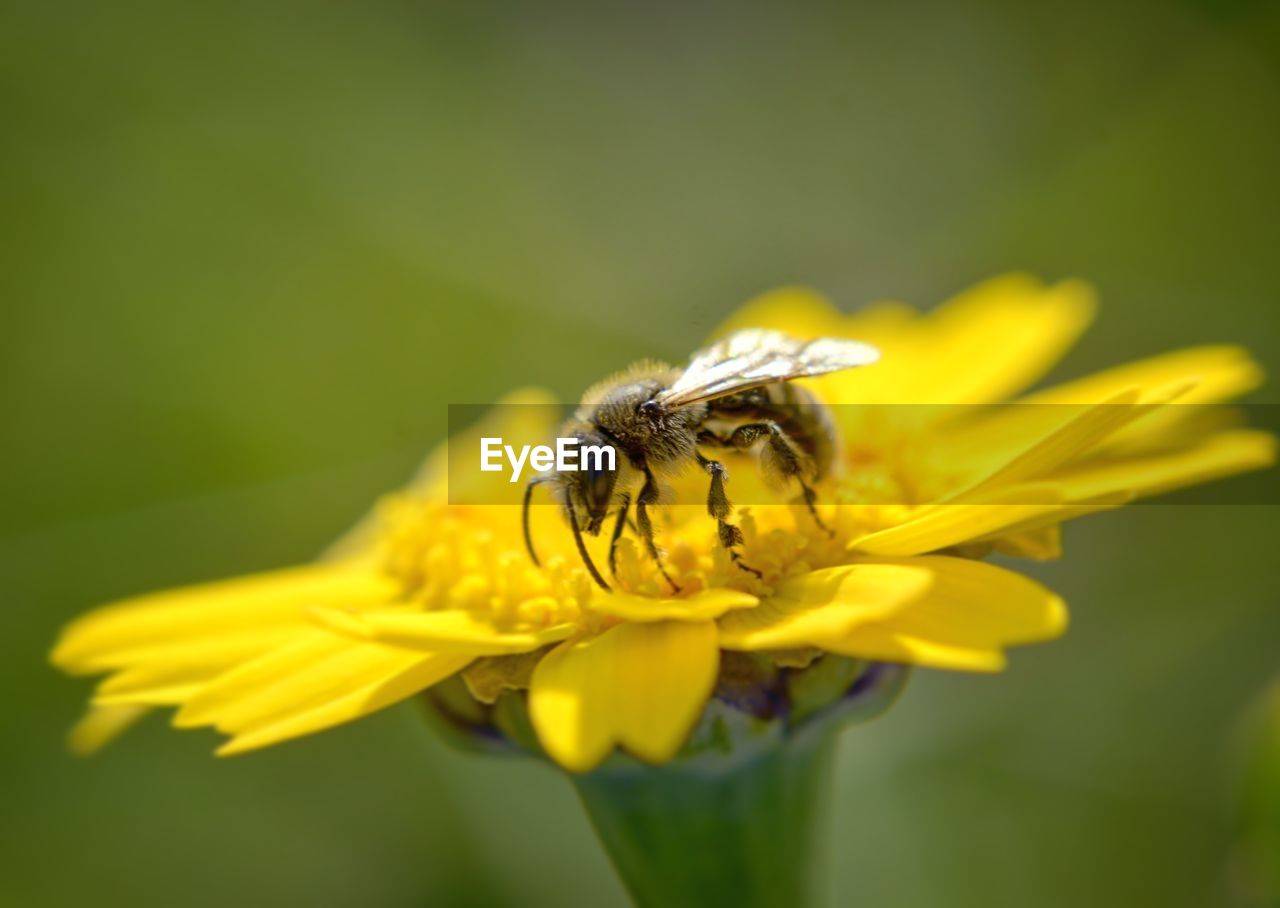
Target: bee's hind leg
x=718 y=506
x=782 y=458
x=810 y=500
x=648 y=496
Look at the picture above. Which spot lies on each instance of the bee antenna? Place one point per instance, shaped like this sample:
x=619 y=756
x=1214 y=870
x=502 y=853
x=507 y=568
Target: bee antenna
x=524 y=517
x=582 y=546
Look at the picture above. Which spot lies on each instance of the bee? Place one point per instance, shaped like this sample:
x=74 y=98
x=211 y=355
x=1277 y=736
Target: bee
x=734 y=395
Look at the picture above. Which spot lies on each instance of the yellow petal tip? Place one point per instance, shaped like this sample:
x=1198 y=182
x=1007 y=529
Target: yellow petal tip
x=342 y=621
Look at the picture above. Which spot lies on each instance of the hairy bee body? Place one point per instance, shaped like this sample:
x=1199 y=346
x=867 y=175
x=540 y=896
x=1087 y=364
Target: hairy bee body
x=735 y=395
x=659 y=437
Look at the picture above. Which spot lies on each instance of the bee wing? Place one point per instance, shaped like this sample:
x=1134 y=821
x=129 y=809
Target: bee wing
x=754 y=357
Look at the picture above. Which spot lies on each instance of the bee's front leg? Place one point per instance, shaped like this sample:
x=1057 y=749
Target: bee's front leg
x=617 y=534
x=524 y=517
x=718 y=506
x=649 y=496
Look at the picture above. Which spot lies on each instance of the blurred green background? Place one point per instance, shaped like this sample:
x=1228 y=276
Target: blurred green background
x=251 y=251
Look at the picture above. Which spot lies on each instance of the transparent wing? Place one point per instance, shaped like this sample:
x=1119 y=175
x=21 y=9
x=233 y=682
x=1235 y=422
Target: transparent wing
x=754 y=357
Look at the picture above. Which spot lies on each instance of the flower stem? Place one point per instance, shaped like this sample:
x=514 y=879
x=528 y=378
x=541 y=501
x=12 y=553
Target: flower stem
x=746 y=834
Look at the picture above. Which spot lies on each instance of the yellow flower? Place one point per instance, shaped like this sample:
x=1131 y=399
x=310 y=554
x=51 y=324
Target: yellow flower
x=426 y=590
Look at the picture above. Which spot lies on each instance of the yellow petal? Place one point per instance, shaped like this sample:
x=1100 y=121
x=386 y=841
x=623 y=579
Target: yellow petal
x=970 y=612
x=884 y=644
x=989 y=341
x=705 y=605
x=824 y=604
x=1027 y=441
x=170 y=674
x=347 y=706
x=1001 y=336
x=316 y=682
x=1208 y=375
x=1220 y=455
x=100 y=726
x=640 y=686
x=1023 y=491
x=448 y=631
x=146 y=627
x=1044 y=525
x=1217 y=372
x=1083 y=429
x=941 y=526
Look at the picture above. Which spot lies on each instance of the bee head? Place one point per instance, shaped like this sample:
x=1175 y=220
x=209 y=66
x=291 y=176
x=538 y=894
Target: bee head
x=589 y=489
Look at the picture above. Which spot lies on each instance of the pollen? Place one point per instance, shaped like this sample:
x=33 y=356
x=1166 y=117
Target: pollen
x=445 y=558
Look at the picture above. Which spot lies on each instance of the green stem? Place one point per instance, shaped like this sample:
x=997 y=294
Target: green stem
x=747 y=834
x=738 y=817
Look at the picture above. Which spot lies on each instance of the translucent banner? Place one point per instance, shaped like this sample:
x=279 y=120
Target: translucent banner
x=883 y=454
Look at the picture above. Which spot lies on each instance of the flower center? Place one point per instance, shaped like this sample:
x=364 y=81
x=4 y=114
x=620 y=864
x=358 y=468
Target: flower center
x=472 y=557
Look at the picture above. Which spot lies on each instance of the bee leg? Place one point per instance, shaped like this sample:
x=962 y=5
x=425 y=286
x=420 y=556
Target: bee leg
x=811 y=499
x=524 y=518
x=649 y=495
x=582 y=547
x=617 y=534
x=781 y=457
x=718 y=506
